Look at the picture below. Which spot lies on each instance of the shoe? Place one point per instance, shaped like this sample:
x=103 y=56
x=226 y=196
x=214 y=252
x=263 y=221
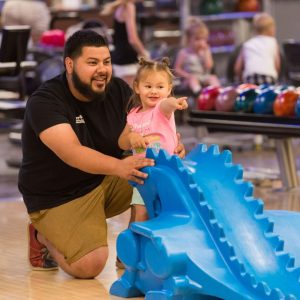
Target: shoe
x=119 y=264
x=39 y=256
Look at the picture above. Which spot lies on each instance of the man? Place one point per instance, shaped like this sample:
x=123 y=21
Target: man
x=73 y=176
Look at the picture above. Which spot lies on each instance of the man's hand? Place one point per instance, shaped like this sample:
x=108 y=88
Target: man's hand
x=128 y=168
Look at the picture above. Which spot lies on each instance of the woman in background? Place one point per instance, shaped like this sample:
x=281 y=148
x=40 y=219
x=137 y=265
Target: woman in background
x=127 y=44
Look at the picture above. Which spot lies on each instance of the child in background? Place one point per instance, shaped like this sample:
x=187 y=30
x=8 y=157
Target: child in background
x=259 y=58
x=151 y=122
x=194 y=62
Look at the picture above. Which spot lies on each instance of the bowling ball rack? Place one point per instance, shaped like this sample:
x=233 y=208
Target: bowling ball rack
x=281 y=129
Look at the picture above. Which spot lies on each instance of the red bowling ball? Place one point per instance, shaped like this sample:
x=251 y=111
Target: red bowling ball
x=207 y=98
x=226 y=99
x=285 y=102
x=54 y=38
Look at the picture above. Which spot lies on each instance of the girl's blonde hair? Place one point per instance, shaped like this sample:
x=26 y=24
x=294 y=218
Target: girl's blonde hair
x=196 y=26
x=145 y=67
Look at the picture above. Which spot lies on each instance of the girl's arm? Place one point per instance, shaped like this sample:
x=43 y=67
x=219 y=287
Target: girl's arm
x=169 y=105
x=129 y=140
x=208 y=59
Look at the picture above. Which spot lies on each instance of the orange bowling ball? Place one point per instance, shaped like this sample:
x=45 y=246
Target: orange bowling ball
x=285 y=102
x=248 y=5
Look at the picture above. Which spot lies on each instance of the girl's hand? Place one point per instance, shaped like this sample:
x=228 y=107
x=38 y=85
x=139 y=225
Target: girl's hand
x=181 y=103
x=138 y=141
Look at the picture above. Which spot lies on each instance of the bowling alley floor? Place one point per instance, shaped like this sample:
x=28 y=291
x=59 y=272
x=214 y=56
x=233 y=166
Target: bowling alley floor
x=18 y=281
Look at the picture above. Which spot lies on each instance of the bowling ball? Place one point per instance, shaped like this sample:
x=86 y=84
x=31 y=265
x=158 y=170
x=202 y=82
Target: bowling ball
x=297 y=107
x=54 y=38
x=207 y=97
x=245 y=100
x=285 y=102
x=264 y=101
x=248 y=5
x=226 y=99
x=245 y=87
x=208 y=7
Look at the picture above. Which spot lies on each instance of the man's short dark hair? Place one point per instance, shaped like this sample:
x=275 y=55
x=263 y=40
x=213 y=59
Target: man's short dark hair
x=83 y=38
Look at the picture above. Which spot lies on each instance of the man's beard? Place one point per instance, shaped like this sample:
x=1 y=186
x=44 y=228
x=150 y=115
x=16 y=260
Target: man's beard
x=86 y=90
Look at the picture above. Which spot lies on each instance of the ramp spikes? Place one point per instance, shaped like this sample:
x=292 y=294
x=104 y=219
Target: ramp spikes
x=265 y=223
x=186 y=177
x=290 y=297
x=256 y=206
x=196 y=193
x=226 y=157
x=235 y=172
x=218 y=229
x=274 y=241
x=238 y=266
x=202 y=147
x=270 y=227
x=263 y=288
x=229 y=250
x=247 y=189
x=280 y=246
x=163 y=155
x=276 y=294
x=176 y=162
x=291 y=263
x=249 y=192
x=284 y=259
x=150 y=153
x=249 y=280
x=213 y=149
x=196 y=152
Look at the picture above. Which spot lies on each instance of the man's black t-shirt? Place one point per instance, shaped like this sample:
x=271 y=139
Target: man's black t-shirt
x=45 y=181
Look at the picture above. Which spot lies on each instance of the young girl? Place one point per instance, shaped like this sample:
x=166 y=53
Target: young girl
x=194 y=62
x=127 y=44
x=151 y=122
x=259 y=58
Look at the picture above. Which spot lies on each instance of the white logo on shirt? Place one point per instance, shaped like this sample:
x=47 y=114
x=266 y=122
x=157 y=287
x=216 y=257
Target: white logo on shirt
x=80 y=120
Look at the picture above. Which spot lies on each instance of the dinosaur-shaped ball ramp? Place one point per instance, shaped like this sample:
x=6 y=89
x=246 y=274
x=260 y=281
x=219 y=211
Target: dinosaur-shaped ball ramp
x=207 y=236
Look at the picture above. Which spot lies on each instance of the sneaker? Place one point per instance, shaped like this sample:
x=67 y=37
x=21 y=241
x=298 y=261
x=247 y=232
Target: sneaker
x=119 y=264
x=39 y=256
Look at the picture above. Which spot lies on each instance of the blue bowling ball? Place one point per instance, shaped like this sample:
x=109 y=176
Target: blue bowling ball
x=297 y=107
x=263 y=103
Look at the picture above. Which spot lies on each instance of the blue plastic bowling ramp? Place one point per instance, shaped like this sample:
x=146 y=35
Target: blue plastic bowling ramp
x=207 y=236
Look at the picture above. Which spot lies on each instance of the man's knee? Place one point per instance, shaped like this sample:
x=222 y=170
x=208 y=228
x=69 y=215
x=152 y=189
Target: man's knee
x=90 y=265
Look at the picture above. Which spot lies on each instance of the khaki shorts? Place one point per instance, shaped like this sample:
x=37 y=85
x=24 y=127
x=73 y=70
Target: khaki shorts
x=79 y=226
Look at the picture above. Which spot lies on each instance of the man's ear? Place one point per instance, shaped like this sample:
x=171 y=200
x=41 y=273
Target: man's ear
x=69 y=65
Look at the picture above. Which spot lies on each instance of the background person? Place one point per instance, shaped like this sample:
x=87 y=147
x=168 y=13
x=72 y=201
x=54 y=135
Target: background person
x=259 y=58
x=34 y=13
x=73 y=175
x=127 y=44
x=194 y=62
